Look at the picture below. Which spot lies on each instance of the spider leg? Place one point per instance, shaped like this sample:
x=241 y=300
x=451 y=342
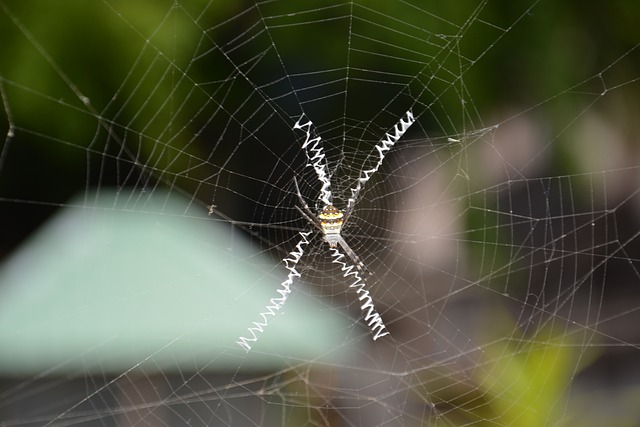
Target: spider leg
x=310 y=219
x=276 y=303
x=383 y=147
x=347 y=213
x=305 y=210
x=354 y=257
x=371 y=315
x=316 y=158
x=299 y=194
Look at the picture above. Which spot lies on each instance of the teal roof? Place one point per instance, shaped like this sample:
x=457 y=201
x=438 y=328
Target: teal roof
x=143 y=283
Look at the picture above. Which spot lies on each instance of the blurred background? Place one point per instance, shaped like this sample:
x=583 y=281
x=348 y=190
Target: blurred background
x=146 y=170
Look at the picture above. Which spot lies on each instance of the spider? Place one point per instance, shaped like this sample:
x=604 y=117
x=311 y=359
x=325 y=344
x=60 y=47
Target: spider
x=330 y=222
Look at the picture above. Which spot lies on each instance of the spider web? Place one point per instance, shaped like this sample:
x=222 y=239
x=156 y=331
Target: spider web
x=499 y=234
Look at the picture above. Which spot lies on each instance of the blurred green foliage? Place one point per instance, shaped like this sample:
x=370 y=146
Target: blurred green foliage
x=144 y=65
x=521 y=381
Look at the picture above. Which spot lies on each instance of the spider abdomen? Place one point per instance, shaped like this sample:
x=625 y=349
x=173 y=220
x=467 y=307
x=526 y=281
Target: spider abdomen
x=331 y=220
